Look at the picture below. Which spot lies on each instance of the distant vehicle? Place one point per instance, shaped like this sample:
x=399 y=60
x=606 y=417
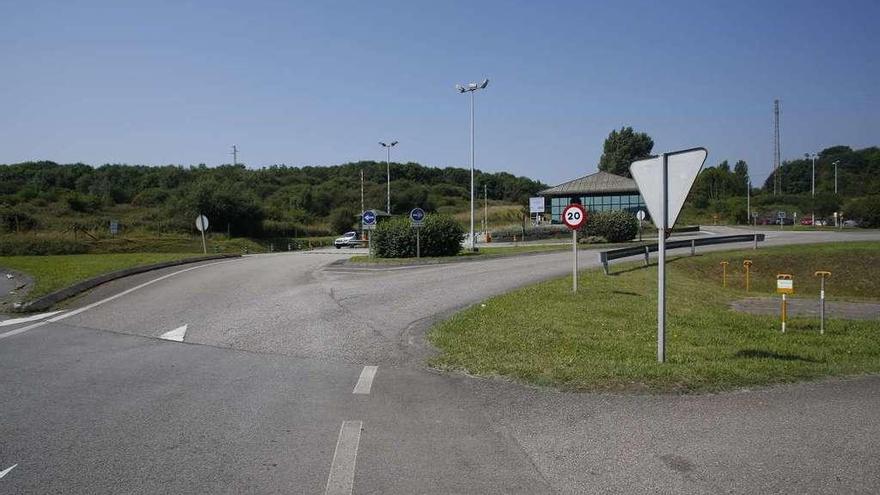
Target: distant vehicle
x=807 y=221
x=850 y=223
x=348 y=239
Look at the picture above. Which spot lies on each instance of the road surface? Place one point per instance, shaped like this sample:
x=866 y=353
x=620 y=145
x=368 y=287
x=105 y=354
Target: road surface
x=292 y=373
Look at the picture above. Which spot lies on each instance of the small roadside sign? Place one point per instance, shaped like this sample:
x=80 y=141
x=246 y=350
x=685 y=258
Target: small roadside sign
x=640 y=215
x=369 y=219
x=114 y=227
x=780 y=214
x=416 y=217
x=573 y=216
x=536 y=205
x=784 y=284
x=202 y=223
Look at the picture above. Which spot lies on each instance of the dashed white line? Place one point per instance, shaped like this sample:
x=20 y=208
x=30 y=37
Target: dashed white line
x=27 y=319
x=365 y=382
x=102 y=301
x=341 y=479
x=176 y=335
x=6 y=471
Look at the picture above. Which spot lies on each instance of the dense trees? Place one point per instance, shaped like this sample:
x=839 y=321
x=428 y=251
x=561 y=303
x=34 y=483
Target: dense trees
x=623 y=147
x=241 y=200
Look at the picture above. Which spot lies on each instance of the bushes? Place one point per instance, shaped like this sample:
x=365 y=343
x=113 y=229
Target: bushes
x=440 y=236
x=615 y=226
x=866 y=210
x=31 y=245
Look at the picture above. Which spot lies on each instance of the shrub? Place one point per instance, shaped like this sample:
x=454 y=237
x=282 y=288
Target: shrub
x=16 y=221
x=30 y=246
x=342 y=220
x=440 y=235
x=866 y=210
x=616 y=226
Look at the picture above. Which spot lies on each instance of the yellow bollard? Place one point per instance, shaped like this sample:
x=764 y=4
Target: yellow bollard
x=747 y=264
x=724 y=273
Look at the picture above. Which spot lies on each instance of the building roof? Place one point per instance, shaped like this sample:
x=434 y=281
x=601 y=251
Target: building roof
x=597 y=183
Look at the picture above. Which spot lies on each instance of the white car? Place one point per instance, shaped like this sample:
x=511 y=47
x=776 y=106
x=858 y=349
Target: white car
x=349 y=239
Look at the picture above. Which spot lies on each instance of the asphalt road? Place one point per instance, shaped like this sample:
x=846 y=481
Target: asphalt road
x=258 y=398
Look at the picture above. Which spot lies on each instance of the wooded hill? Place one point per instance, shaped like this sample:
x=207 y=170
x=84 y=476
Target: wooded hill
x=266 y=202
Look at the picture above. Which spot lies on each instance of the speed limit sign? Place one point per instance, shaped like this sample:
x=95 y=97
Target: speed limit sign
x=573 y=216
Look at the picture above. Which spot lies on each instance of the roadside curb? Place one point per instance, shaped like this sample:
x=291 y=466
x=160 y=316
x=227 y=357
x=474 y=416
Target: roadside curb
x=53 y=298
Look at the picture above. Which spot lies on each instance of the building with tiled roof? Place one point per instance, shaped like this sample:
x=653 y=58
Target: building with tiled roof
x=601 y=191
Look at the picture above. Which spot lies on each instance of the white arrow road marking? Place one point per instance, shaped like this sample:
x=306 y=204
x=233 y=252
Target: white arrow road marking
x=176 y=335
x=6 y=471
x=365 y=382
x=103 y=301
x=341 y=479
x=16 y=321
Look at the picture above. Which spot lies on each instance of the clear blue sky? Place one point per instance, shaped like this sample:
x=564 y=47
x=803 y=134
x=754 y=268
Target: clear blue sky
x=319 y=83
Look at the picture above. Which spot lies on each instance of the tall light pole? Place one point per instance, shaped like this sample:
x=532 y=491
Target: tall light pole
x=472 y=88
x=748 y=200
x=813 y=186
x=835 y=175
x=388 y=171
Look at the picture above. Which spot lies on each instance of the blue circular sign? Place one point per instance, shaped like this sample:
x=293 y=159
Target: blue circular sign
x=417 y=215
x=369 y=217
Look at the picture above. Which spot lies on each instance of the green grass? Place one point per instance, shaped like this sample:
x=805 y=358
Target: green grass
x=604 y=337
x=484 y=252
x=51 y=273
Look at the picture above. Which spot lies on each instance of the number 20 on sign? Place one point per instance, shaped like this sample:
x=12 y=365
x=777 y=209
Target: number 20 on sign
x=573 y=216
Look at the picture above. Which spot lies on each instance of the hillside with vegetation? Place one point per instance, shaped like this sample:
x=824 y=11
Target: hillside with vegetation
x=43 y=198
x=720 y=192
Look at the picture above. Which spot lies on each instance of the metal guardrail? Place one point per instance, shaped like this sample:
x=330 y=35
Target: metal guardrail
x=646 y=249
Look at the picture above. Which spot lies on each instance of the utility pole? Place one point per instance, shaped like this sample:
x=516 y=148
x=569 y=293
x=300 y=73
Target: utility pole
x=835 y=175
x=748 y=200
x=777 y=152
x=234 y=155
x=486 y=211
x=813 y=185
x=362 y=203
x=388 y=171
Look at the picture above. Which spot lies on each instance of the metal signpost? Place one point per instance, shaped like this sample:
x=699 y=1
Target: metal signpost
x=822 y=274
x=784 y=285
x=573 y=216
x=416 y=217
x=724 y=273
x=664 y=182
x=202 y=225
x=780 y=217
x=368 y=218
x=641 y=216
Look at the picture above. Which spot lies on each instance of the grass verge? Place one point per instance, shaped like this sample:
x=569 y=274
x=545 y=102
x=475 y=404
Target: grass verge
x=51 y=273
x=604 y=337
x=487 y=252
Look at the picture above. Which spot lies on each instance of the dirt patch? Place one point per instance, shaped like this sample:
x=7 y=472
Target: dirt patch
x=809 y=307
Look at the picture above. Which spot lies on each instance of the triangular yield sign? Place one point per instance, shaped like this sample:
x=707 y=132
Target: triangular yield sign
x=682 y=168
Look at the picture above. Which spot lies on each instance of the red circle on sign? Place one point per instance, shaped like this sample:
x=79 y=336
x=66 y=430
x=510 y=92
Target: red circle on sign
x=573 y=216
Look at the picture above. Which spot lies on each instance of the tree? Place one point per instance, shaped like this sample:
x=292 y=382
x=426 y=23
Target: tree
x=741 y=171
x=622 y=148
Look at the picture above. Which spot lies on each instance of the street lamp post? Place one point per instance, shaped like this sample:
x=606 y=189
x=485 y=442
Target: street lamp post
x=472 y=88
x=835 y=175
x=813 y=184
x=388 y=172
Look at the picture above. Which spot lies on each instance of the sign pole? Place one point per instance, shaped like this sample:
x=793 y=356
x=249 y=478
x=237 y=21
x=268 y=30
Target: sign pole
x=574 y=266
x=418 y=245
x=661 y=263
